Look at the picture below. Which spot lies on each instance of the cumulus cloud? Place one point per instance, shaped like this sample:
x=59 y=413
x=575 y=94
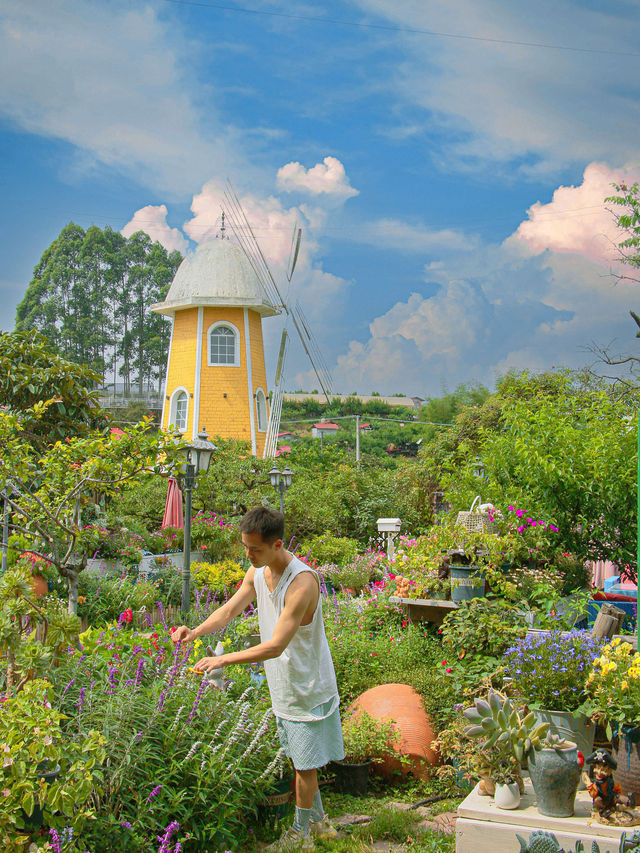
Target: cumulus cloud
x=152 y=219
x=576 y=220
x=326 y=178
x=112 y=80
x=492 y=309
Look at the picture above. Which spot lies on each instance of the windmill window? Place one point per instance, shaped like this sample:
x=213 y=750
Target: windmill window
x=179 y=410
x=223 y=345
x=261 y=409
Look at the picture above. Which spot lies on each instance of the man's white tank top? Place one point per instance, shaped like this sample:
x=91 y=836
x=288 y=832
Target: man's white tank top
x=303 y=676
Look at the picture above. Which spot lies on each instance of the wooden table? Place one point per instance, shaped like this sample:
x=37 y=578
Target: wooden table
x=483 y=827
x=425 y=609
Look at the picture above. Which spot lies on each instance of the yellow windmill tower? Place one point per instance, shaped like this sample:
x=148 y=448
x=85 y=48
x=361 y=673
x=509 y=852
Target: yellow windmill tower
x=216 y=375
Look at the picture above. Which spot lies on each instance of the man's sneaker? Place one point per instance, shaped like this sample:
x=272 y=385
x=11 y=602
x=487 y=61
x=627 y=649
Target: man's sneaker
x=322 y=828
x=291 y=840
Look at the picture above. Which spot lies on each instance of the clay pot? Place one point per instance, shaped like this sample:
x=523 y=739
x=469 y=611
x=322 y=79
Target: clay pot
x=402 y=704
x=39 y=585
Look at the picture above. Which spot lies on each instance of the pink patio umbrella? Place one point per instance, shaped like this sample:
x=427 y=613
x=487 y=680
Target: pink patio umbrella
x=173 y=516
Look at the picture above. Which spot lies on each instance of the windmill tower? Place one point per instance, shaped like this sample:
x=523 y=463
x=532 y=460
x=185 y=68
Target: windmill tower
x=216 y=375
x=273 y=296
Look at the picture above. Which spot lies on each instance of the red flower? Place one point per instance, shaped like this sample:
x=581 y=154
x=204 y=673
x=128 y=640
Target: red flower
x=448 y=670
x=171 y=630
x=444 y=663
x=127 y=615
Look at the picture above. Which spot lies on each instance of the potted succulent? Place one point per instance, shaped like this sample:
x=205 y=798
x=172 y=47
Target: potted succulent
x=554 y=768
x=549 y=672
x=504 y=736
x=365 y=740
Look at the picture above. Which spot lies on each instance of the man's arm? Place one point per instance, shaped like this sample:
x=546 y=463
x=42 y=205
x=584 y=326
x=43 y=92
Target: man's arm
x=221 y=617
x=299 y=596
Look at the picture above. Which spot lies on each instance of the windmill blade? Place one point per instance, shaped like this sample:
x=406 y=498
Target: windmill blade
x=232 y=198
x=251 y=250
x=314 y=345
x=284 y=342
x=293 y=254
x=275 y=412
x=313 y=352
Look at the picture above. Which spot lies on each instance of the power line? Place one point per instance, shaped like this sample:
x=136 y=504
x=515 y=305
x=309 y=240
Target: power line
x=394 y=28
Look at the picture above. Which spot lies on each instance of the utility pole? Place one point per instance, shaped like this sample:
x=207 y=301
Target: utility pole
x=358 y=440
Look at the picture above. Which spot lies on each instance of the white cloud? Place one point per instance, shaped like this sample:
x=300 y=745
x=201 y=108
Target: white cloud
x=326 y=178
x=493 y=309
x=408 y=237
x=152 y=219
x=576 y=220
x=502 y=101
x=114 y=82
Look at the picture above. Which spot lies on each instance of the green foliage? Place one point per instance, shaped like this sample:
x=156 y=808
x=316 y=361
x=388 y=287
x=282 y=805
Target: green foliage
x=33 y=742
x=235 y=481
x=326 y=548
x=31 y=372
x=628 y=220
x=613 y=686
x=390 y=652
x=26 y=657
x=48 y=490
x=367 y=739
x=103 y=599
x=140 y=501
x=481 y=627
x=179 y=749
x=563 y=449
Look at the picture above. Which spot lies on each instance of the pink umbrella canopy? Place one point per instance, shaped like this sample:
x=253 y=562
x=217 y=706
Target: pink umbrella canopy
x=173 y=507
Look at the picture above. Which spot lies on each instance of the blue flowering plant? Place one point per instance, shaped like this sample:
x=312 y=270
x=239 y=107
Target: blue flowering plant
x=550 y=670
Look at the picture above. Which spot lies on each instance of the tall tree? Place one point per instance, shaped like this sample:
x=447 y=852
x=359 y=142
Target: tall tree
x=91 y=295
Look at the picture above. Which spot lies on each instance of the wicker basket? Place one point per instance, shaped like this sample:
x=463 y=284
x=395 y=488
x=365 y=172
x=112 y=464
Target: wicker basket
x=475 y=521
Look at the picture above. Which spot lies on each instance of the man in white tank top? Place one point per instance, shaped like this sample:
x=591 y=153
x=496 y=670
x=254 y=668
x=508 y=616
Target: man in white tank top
x=297 y=663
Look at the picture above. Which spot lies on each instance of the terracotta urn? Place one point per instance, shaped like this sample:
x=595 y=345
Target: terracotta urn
x=39 y=585
x=401 y=703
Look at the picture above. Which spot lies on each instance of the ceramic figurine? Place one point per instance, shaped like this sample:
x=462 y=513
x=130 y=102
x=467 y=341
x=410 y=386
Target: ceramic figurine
x=610 y=805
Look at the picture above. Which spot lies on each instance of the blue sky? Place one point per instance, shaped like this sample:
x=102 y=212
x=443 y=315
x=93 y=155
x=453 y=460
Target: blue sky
x=447 y=161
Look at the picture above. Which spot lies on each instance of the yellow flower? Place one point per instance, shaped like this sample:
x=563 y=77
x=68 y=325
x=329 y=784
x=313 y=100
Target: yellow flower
x=624 y=685
x=615 y=642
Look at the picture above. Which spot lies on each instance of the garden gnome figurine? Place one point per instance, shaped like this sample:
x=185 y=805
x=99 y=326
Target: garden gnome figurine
x=606 y=794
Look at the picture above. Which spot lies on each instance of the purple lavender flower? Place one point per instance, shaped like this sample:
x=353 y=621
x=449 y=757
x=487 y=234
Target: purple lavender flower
x=154 y=793
x=80 y=701
x=164 y=839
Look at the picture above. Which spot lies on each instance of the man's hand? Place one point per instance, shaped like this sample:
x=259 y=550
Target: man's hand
x=182 y=633
x=207 y=664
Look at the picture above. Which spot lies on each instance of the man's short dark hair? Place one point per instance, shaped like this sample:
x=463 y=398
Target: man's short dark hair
x=267 y=522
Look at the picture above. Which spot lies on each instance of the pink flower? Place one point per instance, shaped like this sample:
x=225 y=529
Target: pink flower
x=448 y=670
x=519 y=513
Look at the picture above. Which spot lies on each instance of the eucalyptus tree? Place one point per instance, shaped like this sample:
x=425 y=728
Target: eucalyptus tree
x=91 y=295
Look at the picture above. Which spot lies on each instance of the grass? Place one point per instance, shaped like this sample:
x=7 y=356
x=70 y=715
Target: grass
x=387 y=824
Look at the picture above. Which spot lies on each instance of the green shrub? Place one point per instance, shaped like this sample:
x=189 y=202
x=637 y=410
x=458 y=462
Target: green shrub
x=217 y=538
x=327 y=548
x=218 y=577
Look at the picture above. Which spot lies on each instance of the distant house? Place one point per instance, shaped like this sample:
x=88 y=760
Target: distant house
x=287 y=436
x=417 y=402
x=365 y=427
x=324 y=428
x=283 y=450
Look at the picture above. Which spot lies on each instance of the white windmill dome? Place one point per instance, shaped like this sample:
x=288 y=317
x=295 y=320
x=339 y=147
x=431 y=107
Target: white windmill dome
x=217 y=274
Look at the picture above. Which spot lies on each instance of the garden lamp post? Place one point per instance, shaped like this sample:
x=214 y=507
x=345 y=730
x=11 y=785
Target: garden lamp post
x=281 y=480
x=197 y=456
